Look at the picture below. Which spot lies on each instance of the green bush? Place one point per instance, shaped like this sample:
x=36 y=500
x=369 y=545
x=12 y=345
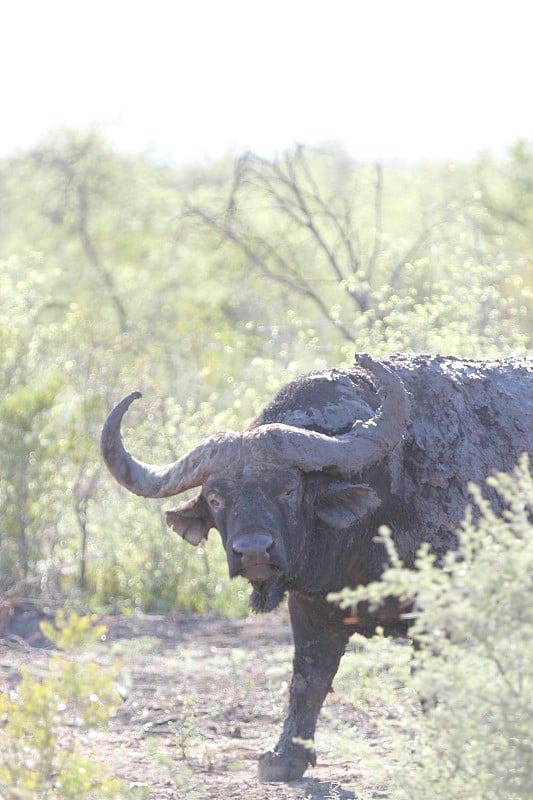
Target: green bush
x=39 y=754
x=119 y=273
x=464 y=730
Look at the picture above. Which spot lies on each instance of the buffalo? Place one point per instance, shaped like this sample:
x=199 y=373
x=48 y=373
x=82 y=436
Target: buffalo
x=299 y=496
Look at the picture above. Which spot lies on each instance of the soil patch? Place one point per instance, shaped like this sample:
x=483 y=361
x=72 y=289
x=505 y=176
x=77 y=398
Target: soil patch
x=202 y=699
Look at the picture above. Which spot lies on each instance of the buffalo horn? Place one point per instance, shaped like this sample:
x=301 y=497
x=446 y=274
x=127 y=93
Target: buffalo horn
x=365 y=444
x=215 y=453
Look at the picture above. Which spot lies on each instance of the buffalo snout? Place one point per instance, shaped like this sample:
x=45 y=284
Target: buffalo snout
x=252 y=552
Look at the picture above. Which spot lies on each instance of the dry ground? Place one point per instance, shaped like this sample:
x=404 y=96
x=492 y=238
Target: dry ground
x=203 y=698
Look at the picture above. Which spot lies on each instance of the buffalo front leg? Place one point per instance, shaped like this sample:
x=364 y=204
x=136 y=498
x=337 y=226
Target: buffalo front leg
x=319 y=643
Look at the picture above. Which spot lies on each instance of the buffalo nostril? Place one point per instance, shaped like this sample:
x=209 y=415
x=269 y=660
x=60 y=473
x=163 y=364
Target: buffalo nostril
x=253 y=543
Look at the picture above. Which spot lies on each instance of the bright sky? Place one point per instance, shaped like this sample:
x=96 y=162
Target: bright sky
x=191 y=79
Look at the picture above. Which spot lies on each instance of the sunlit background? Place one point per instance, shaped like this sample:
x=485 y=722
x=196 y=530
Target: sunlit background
x=202 y=199
x=192 y=80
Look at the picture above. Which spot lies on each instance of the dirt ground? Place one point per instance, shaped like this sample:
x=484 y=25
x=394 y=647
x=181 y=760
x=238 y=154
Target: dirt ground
x=202 y=698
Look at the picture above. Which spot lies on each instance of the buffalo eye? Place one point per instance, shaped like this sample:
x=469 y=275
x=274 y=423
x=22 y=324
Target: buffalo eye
x=215 y=501
x=289 y=491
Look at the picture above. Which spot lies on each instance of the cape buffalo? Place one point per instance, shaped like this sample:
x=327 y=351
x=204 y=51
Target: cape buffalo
x=299 y=496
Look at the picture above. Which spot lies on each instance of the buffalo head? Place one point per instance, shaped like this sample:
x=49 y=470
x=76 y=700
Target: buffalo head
x=264 y=489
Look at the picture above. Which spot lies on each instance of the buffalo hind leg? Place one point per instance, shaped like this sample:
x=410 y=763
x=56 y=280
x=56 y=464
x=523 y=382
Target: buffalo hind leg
x=319 y=643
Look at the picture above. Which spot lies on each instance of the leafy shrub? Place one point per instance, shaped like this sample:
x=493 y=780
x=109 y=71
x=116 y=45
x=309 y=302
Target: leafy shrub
x=117 y=273
x=39 y=754
x=470 y=736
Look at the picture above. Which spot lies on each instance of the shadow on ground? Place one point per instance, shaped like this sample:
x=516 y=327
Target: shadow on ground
x=327 y=790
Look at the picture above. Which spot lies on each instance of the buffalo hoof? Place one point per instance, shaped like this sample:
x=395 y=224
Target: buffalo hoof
x=280 y=768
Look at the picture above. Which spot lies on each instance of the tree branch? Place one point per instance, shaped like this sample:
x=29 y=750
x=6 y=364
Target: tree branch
x=259 y=251
x=94 y=259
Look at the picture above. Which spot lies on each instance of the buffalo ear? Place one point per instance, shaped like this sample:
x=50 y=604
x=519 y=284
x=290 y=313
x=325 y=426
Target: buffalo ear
x=342 y=503
x=191 y=520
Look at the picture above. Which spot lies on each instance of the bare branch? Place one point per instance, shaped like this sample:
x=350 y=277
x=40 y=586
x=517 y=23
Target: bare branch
x=94 y=259
x=260 y=251
x=413 y=251
x=378 y=217
x=305 y=208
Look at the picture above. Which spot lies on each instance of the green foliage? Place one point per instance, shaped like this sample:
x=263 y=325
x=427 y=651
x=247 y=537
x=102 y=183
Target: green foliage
x=378 y=263
x=39 y=752
x=473 y=664
x=118 y=273
x=72 y=633
x=186 y=726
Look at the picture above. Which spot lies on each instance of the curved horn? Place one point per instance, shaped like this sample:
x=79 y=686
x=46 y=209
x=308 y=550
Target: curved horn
x=147 y=480
x=364 y=445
